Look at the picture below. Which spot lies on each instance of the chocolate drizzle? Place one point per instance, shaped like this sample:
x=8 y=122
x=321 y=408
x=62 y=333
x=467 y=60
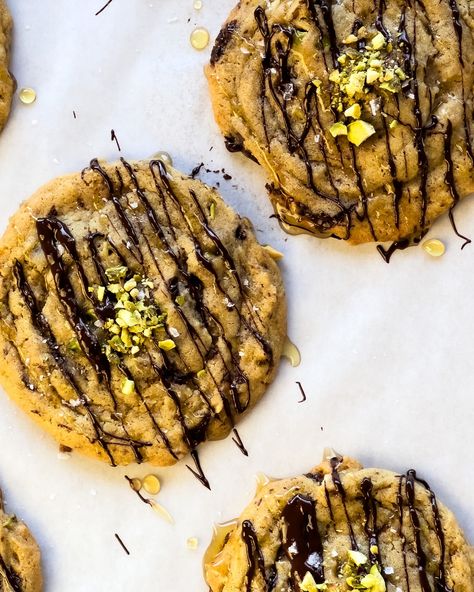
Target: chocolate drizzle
x=8 y=575
x=303 y=544
x=451 y=181
x=149 y=230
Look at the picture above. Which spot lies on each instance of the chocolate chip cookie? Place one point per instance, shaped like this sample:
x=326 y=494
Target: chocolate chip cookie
x=139 y=314
x=342 y=527
x=20 y=560
x=360 y=111
x=7 y=84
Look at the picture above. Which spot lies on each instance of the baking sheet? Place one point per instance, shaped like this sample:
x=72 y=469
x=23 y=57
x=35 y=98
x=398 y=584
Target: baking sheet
x=387 y=351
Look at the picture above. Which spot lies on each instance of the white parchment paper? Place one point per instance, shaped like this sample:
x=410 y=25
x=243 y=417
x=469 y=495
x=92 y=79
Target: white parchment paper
x=387 y=351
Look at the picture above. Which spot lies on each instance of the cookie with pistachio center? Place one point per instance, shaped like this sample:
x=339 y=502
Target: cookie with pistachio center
x=360 y=112
x=140 y=316
x=7 y=84
x=342 y=528
x=20 y=559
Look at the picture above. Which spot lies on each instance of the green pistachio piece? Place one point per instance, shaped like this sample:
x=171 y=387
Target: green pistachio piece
x=378 y=42
x=116 y=273
x=166 y=344
x=357 y=557
x=128 y=387
x=338 y=129
x=353 y=111
x=359 y=131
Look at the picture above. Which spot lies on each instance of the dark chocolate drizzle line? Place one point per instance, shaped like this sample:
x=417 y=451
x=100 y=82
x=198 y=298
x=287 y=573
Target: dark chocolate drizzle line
x=238 y=442
x=450 y=180
x=401 y=531
x=387 y=254
x=122 y=544
x=103 y=8
x=113 y=138
x=40 y=323
x=415 y=521
x=281 y=39
x=255 y=557
x=10 y=576
x=335 y=462
x=303 y=394
x=370 y=524
x=303 y=544
x=53 y=233
x=198 y=473
x=440 y=579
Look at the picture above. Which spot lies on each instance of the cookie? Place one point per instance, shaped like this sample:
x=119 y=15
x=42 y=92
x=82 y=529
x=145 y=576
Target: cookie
x=360 y=111
x=20 y=559
x=140 y=316
x=7 y=83
x=342 y=527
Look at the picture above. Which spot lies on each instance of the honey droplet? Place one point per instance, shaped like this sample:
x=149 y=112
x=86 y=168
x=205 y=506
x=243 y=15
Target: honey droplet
x=27 y=96
x=151 y=484
x=291 y=352
x=200 y=38
x=262 y=480
x=434 y=247
x=197 y=4
x=212 y=556
x=192 y=543
x=163 y=156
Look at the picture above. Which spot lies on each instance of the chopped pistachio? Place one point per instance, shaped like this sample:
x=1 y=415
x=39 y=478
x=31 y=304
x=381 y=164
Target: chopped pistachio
x=374 y=549
x=100 y=293
x=357 y=557
x=116 y=273
x=358 y=131
x=355 y=84
x=166 y=344
x=353 y=111
x=309 y=585
x=350 y=39
x=393 y=124
x=128 y=387
x=201 y=373
x=335 y=76
x=338 y=129
x=180 y=300
x=73 y=345
x=130 y=285
x=374 y=581
x=378 y=42
x=372 y=75
x=212 y=210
